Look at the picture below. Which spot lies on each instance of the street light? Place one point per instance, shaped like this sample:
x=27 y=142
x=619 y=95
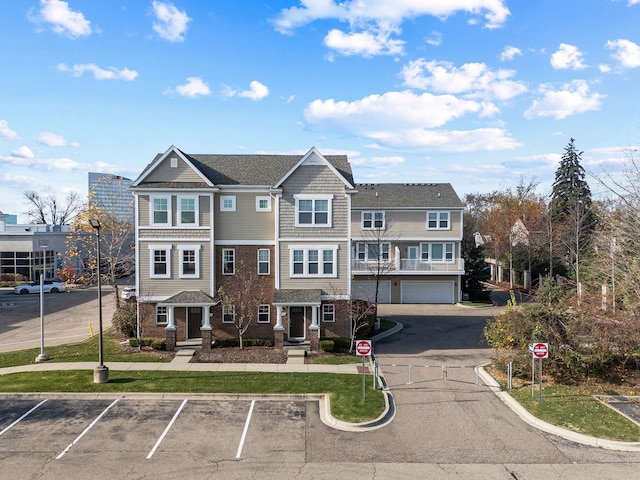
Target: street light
x=101 y=373
x=43 y=357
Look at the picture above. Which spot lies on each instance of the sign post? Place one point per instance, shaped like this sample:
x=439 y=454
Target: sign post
x=363 y=349
x=539 y=351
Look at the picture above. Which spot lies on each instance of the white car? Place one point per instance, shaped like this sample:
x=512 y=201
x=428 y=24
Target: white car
x=49 y=286
x=128 y=293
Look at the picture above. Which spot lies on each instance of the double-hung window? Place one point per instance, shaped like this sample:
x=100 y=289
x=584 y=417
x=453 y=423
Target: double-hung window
x=161 y=315
x=328 y=312
x=228 y=261
x=189 y=261
x=160 y=210
x=188 y=211
x=373 y=252
x=438 y=221
x=436 y=252
x=313 y=211
x=263 y=314
x=313 y=261
x=373 y=220
x=160 y=261
x=263 y=261
x=228 y=314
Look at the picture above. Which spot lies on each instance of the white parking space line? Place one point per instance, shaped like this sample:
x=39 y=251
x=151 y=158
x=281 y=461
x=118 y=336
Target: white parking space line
x=166 y=430
x=246 y=428
x=23 y=416
x=86 y=429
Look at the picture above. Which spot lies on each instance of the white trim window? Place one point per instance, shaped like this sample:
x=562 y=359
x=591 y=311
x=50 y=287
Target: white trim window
x=189 y=261
x=313 y=210
x=264 y=313
x=160 y=261
x=263 y=261
x=227 y=203
x=373 y=252
x=263 y=204
x=188 y=211
x=328 y=312
x=228 y=314
x=160 y=210
x=162 y=316
x=313 y=261
x=373 y=220
x=438 y=221
x=436 y=252
x=228 y=261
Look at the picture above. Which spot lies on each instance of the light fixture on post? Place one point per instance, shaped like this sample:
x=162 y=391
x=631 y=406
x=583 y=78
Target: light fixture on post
x=43 y=357
x=101 y=373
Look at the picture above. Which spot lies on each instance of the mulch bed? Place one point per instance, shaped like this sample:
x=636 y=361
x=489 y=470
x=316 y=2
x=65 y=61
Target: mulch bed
x=236 y=355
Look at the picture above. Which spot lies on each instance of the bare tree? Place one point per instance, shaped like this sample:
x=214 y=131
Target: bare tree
x=241 y=295
x=45 y=208
x=117 y=253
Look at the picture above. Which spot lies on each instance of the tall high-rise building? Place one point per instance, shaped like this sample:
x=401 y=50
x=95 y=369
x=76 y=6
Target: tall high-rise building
x=111 y=193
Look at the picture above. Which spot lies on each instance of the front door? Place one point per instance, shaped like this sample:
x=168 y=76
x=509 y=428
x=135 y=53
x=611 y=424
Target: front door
x=412 y=253
x=194 y=322
x=296 y=322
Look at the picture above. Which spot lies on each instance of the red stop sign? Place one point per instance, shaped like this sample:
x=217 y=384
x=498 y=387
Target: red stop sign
x=540 y=350
x=363 y=347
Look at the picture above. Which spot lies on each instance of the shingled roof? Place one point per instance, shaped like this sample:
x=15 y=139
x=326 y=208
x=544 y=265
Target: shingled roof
x=405 y=195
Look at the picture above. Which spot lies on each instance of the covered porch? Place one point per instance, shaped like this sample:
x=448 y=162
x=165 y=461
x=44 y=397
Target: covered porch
x=194 y=321
x=297 y=316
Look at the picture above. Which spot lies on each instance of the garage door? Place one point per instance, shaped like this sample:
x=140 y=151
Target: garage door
x=426 y=292
x=367 y=290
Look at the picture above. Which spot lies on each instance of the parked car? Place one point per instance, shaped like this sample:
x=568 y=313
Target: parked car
x=128 y=293
x=49 y=286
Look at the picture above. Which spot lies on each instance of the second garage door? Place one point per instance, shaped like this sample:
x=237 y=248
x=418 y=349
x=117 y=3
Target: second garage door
x=427 y=292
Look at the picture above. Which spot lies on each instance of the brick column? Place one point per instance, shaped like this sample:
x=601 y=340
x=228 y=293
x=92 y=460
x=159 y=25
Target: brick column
x=171 y=339
x=207 y=337
x=278 y=338
x=314 y=339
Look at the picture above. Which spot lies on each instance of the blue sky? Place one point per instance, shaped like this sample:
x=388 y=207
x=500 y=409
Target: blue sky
x=477 y=93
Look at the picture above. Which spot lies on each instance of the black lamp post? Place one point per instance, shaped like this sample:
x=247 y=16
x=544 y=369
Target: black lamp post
x=101 y=373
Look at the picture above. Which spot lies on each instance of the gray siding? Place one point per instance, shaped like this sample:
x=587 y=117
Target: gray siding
x=164 y=172
x=408 y=224
x=245 y=224
x=313 y=179
x=144 y=210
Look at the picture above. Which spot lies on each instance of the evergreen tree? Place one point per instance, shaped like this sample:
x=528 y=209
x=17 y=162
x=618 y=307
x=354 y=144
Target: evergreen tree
x=570 y=189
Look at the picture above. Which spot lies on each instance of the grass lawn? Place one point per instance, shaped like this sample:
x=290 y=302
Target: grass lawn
x=86 y=351
x=345 y=390
x=573 y=406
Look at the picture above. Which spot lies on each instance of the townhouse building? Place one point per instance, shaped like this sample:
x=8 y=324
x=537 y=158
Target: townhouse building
x=301 y=224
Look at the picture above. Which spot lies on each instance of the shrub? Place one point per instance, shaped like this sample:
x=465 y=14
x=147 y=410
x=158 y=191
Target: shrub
x=125 y=318
x=327 y=345
x=246 y=342
x=155 y=343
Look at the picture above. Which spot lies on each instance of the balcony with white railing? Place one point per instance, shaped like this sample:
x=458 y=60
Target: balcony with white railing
x=408 y=266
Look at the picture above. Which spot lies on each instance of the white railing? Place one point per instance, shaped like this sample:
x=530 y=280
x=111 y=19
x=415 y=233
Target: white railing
x=407 y=265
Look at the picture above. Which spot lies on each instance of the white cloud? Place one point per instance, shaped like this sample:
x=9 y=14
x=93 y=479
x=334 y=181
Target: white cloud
x=54 y=140
x=509 y=53
x=6 y=132
x=193 y=88
x=633 y=2
x=257 y=91
x=22 y=152
x=405 y=120
x=571 y=99
x=98 y=73
x=567 y=57
x=626 y=52
x=171 y=24
x=475 y=80
x=63 y=20
x=48 y=164
x=434 y=39
x=377 y=162
x=366 y=43
x=384 y=12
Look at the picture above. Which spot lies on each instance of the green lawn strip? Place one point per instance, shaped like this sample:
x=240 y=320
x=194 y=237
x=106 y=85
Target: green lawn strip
x=85 y=351
x=345 y=390
x=572 y=408
x=337 y=360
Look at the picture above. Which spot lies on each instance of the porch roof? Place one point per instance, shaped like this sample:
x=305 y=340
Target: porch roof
x=297 y=297
x=190 y=297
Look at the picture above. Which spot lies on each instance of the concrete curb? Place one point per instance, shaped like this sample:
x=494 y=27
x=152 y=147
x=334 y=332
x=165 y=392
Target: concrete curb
x=549 y=428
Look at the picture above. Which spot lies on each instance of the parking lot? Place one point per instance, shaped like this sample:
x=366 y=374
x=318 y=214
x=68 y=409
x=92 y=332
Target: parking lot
x=142 y=431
